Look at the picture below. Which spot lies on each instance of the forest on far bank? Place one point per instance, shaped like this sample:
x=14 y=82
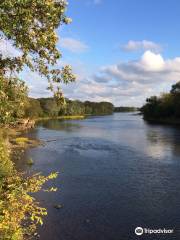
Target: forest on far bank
x=165 y=108
x=49 y=107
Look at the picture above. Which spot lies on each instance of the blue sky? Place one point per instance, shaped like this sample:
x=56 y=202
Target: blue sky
x=112 y=23
x=129 y=49
x=122 y=51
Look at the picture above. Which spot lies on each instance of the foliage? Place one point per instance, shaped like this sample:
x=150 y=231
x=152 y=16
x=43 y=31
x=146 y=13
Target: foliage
x=74 y=108
x=17 y=205
x=6 y=165
x=125 y=109
x=33 y=109
x=98 y=108
x=167 y=106
x=48 y=107
x=30 y=27
x=13 y=98
x=176 y=88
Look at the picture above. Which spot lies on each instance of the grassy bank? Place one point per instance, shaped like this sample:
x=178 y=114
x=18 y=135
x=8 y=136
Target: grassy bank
x=76 y=117
x=69 y=117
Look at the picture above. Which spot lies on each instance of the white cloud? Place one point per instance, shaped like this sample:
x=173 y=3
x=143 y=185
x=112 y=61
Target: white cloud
x=73 y=45
x=8 y=50
x=151 y=67
x=128 y=83
x=141 y=45
x=124 y=83
x=152 y=62
x=37 y=85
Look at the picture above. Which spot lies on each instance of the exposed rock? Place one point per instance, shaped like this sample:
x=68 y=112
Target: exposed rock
x=58 y=206
x=25 y=123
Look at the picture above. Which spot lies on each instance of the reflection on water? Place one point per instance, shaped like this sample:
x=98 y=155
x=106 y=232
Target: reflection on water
x=116 y=173
x=163 y=141
x=59 y=125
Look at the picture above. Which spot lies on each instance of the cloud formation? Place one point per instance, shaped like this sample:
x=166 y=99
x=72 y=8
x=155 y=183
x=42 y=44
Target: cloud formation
x=73 y=45
x=141 y=45
x=7 y=49
x=128 y=83
x=150 y=68
x=125 y=83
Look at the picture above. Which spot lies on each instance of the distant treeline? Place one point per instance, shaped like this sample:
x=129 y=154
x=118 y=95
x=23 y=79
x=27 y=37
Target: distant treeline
x=165 y=108
x=48 y=107
x=125 y=109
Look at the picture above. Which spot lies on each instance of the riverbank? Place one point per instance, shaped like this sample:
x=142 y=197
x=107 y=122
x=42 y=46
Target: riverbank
x=21 y=212
x=69 y=117
x=15 y=143
x=13 y=136
x=75 y=117
x=78 y=117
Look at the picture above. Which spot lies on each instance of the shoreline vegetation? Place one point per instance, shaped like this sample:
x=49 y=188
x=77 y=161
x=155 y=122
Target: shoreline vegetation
x=78 y=117
x=19 y=211
x=126 y=109
x=48 y=108
x=164 y=109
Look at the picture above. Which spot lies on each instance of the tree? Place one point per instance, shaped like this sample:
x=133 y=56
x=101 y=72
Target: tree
x=167 y=106
x=19 y=212
x=98 y=108
x=175 y=92
x=49 y=107
x=175 y=88
x=30 y=27
x=33 y=109
x=13 y=98
x=74 y=108
x=125 y=109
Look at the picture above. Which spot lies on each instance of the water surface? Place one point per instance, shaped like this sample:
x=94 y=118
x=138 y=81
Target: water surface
x=115 y=173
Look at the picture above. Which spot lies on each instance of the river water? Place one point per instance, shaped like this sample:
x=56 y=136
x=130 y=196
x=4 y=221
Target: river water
x=115 y=173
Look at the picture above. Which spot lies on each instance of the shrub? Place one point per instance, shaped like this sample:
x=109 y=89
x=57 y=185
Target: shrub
x=17 y=205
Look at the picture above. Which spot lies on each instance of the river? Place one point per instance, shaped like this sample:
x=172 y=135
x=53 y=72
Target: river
x=115 y=173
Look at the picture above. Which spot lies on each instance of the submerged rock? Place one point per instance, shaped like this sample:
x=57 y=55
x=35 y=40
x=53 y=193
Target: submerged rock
x=30 y=162
x=58 y=206
x=87 y=220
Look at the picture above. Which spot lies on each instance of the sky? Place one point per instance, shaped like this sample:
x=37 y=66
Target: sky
x=121 y=51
